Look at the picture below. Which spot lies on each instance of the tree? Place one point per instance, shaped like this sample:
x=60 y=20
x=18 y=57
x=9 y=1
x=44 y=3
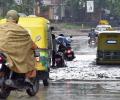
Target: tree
x=74 y=8
x=5 y=5
x=26 y=7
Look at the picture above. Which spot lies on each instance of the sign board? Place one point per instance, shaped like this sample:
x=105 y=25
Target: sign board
x=19 y=2
x=90 y=6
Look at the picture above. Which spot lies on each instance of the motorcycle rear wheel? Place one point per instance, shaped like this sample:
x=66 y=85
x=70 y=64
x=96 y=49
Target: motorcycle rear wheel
x=32 y=91
x=4 y=92
x=61 y=64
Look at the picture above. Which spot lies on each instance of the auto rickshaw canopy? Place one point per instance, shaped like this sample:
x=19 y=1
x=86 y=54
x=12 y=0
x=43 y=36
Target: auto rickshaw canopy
x=35 y=26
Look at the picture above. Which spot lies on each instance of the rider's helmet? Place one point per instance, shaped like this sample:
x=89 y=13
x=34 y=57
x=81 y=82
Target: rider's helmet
x=92 y=30
x=12 y=15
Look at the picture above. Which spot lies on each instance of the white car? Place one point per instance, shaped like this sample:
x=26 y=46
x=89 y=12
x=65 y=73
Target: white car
x=100 y=28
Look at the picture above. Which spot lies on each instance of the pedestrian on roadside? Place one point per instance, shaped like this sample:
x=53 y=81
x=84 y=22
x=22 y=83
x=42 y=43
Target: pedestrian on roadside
x=54 y=50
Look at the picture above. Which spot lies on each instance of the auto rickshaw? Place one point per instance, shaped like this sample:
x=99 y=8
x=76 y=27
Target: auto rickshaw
x=108 y=48
x=39 y=26
x=103 y=22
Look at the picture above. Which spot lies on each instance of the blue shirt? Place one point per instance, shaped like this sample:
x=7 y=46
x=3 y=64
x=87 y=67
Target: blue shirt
x=62 y=40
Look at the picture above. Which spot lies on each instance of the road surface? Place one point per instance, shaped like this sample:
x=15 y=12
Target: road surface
x=81 y=80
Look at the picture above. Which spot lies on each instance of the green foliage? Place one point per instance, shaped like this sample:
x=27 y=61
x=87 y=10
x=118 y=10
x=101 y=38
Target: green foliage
x=26 y=6
x=115 y=8
x=44 y=8
x=74 y=6
x=74 y=26
x=112 y=5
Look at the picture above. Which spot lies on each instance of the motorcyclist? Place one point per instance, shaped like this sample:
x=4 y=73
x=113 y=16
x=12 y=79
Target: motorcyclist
x=17 y=43
x=62 y=42
x=69 y=38
x=92 y=35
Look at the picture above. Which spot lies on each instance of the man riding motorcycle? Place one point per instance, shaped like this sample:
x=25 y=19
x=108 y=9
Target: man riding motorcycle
x=17 y=59
x=92 y=35
x=69 y=38
x=62 y=45
x=17 y=43
x=62 y=42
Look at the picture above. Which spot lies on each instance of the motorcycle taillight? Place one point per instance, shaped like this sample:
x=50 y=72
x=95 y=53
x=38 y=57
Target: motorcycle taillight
x=1 y=59
x=68 y=51
x=37 y=59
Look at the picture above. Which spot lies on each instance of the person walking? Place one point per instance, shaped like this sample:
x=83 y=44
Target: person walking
x=54 y=50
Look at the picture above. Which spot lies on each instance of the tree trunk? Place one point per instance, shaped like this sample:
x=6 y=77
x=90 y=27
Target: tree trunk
x=37 y=8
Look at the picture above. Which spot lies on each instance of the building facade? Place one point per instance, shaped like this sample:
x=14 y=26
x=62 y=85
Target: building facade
x=55 y=11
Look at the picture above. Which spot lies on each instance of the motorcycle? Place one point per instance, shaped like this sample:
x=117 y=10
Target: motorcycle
x=59 y=60
x=10 y=80
x=69 y=54
x=92 y=42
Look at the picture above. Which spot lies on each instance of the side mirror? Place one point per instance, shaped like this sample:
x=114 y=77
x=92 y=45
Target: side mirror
x=37 y=38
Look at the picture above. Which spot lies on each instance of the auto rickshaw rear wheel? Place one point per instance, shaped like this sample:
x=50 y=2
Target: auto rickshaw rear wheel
x=45 y=82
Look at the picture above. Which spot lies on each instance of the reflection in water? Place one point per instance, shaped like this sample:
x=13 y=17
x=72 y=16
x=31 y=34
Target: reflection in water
x=72 y=91
x=21 y=95
x=112 y=87
x=42 y=94
x=98 y=89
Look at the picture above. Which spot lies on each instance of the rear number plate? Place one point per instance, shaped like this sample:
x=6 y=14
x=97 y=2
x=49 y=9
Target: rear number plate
x=69 y=55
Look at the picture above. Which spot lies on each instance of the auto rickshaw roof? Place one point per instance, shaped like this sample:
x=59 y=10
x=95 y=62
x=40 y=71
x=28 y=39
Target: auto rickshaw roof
x=113 y=31
x=30 y=21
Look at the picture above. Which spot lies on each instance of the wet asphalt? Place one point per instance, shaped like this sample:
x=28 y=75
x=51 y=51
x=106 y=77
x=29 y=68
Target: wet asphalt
x=73 y=90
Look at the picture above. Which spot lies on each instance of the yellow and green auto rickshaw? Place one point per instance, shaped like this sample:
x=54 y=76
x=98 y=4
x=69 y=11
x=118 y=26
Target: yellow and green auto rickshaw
x=108 y=48
x=39 y=26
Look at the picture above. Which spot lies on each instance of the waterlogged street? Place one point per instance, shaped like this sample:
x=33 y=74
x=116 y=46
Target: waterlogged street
x=74 y=90
x=82 y=79
x=84 y=67
x=79 y=79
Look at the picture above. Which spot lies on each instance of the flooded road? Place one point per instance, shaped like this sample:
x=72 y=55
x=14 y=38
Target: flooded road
x=82 y=79
x=74 y=90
